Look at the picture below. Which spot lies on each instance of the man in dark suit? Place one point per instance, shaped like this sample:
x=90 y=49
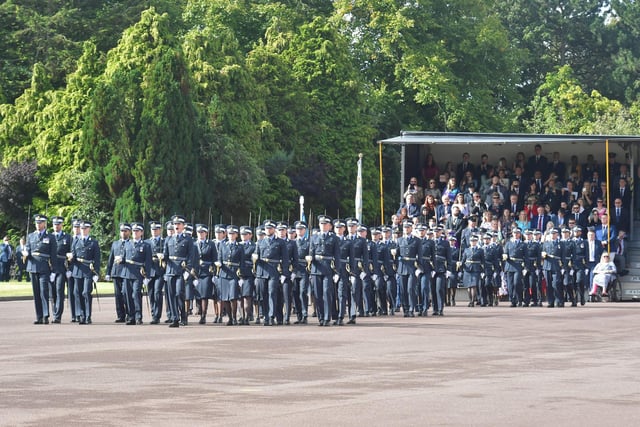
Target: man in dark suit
x=581 y=218
x=557 y=167
x=539 y=221
x=464 y=166
x=620 y=216
x=623 y=192
x=594 y=251
x=537 y=162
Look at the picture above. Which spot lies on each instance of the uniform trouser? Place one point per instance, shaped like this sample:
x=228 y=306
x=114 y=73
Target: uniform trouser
x=71 y=294
x=302 y=303
x=399 y=295
x=392 y=291
x=4 y=271
x=58 y=296
x=323 y=288
x=580 y=285
x=133 y=298
x=175 y=297
x=555 y=293
x=356 y=307
x=369 y=295
x=83 y=288
x=409 y=292
x=155 y=292
x=343 y=294
x=425 y=291
x=569 y=286
x=486 y=287
x=40 y=286
x=514 y=286
x=261 y=297
x=288 y=299
x=118 y=294
x=274 y=291
x=438 y=290
x=531 y=287
x=381 y=292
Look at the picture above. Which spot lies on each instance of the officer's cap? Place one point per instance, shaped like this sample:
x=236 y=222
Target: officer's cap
x=362 y=227
x=577 y=229
x=486 y=236
x=430 y=231
x=397 y=231
x=453 y=239
x=324 y=219
x=439 y=228
x=555 y=230
x=528 y=231
x=352 y=221
x=232 y=229
x=40 y=218
x=421 y=227
x=57 y=220
x=338 y=223
x=76 y=222
x=188 y=228
x=155 y=225
x=137 y=226
x=86 y=224
x=474 y=238
x=220 y=228
x=537 y=232
x=407 y=224
x=291 y=230
x=473 y=218
x=201 y=228
x=385 y=229
x=178 y=219
x=591 y=229
x=566 y=230
x=245 y=229
x=260 y=231
x=269 y=224
x=376 y=230
x=300 y=224
x=282 y=225
x=125 y=226
x=517 y=230
x=169 y=226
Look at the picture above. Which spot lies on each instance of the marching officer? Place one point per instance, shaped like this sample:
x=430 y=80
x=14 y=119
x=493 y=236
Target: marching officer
x=392 y=280
x=370 y=278
x=442 y=263
x=59 y=266
x=137 y=265
x=206 y=255
x=171 y=231
x=580 y=259
x=514 y=258
x=453 y=276
x=472 y=263
x=40 y=251
x=530 y=272
x=301 y=269
x=381 y=258
x=85 y=256
x=358 y=265
x=428 y=254
x=324 y=256
x=155 y=274
x=116 y=271
x=261 y=299
x=492 y=256
x=178 y=253
x=286 y=296
x=553 y=265
x=220 y=231
x=568 y=275
x=230 y=259
x=345 y=280
x=272 y=260
x=71 y=281
x=409 y=268
x=247 y=277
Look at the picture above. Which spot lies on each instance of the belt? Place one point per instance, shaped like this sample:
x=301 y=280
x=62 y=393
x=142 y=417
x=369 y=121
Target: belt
x=552 y=256
x=357 y=259
x=205 y=263
x=130 y=261
x=344 y=260
x=515 y=259
x=271 y=260
x=177 y=258
x=62 y=257
x=322 y=257
x=248 y=263
x=404 y=258
x=40 y=254
x=473 y=262
x=231 y=264
x=426 y=258
x=441 y=257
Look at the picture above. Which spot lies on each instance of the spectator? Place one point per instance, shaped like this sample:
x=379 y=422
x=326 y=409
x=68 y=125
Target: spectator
x=451 y=189
x=557 y=167
x=429 y=207
x=412 y=209
x=507 y=221
x=620 y=249
x=537 y=162
x=603 y=273
x=575 y=168
x=606 y=233
x=6 y=253
x=414 y=189
x=523 y=222
x=429 y=169
x=468 y=182
x=496 y=205
x=623 y=193
x=20 y=264
x=540 y=220
x=513 y=205
x=620 y=216
x=519 y=163
x=464 y=166
x=495 y=187
x=433 y=190
x=531 y=207
x=589 y=167
x=443 y=210
x=579 y=215
x=504 y=179
x=460 y=203
x=483 y=168
x=477 y=206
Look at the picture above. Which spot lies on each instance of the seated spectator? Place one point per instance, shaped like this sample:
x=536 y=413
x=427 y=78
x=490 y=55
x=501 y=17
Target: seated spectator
x=468 y=181
x=460 y=203
x=531 y=207
x=519 y=162
x=496 y=205
x=606 y=233
x=575 y=168
x=429 y=169
x=507 y=222
x=504 y=179
x=523 y=222
x=487 y=218
x=433 y=190
x=451 y=189
x=477 y=206
x=603 y=273
x=415 y=190
x=495 y=187
x=429 y=208
x=560 y=218
x=619 y=247
x=443 y=211
x=483 y=168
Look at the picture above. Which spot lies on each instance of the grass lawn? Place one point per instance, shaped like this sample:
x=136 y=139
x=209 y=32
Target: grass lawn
x=15 y=289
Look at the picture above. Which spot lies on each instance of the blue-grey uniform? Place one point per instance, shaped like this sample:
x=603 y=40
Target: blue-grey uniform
x=428 y=254
x=137 y=266
x=409 y=262
x=301 y=270
x=552 y=265
x=369 y=282
x=568 y=273
x=532 y=265
x=343 y=287
x=155 y=287
x=206 y=255
x=492 y=257
x=41 y=250
x=116 y=265
x=580 y=264
x=454 y=275
x=289 y=291
x=231 y=258
x=86 y=264
x=441 y=264
x=324 y=250
x=514 y=257
x=391 y=276
x=215 y=279
x=273 y=261
x=248 y=289
x=59 y=266
x=382 y=267
x=359 y=266
x=472 y=265
x=178 y=254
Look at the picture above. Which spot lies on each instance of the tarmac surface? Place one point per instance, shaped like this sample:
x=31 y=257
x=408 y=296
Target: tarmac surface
x=473 y=366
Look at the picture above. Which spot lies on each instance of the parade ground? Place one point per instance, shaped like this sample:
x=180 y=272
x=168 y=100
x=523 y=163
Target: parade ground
x=474 y=366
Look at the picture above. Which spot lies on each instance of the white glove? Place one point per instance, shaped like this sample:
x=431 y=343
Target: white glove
x=118 y=259
x=433 y=274
x=505 y=257
x=254 y=256
x=482 y=275
x=570 y=272
x=393 y=252
x=385 y=277
x=308 y=258
x=160 y=256
x=69 y=255
x=363 y=275
x=418 y=272
x=95 y=278
x=374 y=277
x=185 y=275
x=241 y=282
x=586 y=272
x=145 y=281
x=52 y=277
x=68 y=274
x=107 y=278
x=524 y=271
x=25 y=253
x=495 y=275
x=282 y=279
x=293 y=276
x=459 y=264
x=562 y=271
x=195 y=282
x=352 y=279
x=543 y=254
x=448 y=274
x=335 y=277
x=218 y=264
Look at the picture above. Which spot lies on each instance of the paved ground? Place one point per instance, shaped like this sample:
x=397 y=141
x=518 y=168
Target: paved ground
x=475 y=366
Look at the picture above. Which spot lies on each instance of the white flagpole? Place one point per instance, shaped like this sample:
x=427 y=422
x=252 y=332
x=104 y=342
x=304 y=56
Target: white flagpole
x=359 y=190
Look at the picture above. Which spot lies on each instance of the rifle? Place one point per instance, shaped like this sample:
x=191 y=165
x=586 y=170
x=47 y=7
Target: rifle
x=26 y=240
x=95 y=285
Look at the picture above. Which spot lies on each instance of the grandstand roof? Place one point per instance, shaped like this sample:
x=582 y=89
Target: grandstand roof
x=425 y=137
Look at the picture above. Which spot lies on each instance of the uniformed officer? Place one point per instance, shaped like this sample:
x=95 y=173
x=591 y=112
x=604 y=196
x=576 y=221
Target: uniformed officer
x=381 y=258
x=302 y=269
x=568 y=275
x=428 y=254
x=324 y=256
x=453 y=276
x=537 y=236
x=116 y=266
x=514 y=258
x=85 y=257
x=272 y=261
x=580 y=264
x=472 y=264
x=220 y=231
x=230 y=259
x=59 y=266
x=285 y=295
x=178 y=253
x=40 y=250
x=206 y=255
x=171 y=231
x=137 y=265
x=391 y=276
x=191 y=293
x=71 y=281
x=261 y=298
x=553 y=266
x=370 y=278
x=155 y=287
x=409 y=268
x=247 y=277
x=358 y=264
x=441 y=272
x=532 y=265
x=492 y=257
x=343 y=285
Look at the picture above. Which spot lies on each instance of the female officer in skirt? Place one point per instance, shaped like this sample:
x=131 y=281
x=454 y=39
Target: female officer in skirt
x=472 y=264
x=452 y=280
x=230 y=259
x=207 y=255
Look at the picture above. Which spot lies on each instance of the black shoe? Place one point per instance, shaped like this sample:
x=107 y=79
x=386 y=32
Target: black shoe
x=340 y=322
x=230 y=322
x=174 y=324
x=38 y=322
x=167 y=321
x=202 y=320
x=327 y=323
x=435 y=313
x=119 y=320
x=139 y=322
x=286 y=322
x=304 y=320
x=154 y=321
x=550 y=305
x=266 y=323
x=321 y=323
x=352 y=321
x=131 y=322
x=257 y=321
x=55 y=321
x=411 y=314
x=46 y=321
x=74 y=320
x=89 y=320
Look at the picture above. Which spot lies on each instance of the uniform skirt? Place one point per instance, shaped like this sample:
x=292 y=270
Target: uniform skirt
x=470 y=280
x=204 y=288
x=248 y=287
x=228 y=290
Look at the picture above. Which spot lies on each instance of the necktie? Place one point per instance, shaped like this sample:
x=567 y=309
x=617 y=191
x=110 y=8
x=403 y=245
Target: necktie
x=622 y=192
x=620 y=247
x=618 y=214
x=540 y=223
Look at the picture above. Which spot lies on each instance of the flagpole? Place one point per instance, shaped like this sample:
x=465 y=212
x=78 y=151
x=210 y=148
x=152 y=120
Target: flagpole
x=359 y=190
x=381 y=188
